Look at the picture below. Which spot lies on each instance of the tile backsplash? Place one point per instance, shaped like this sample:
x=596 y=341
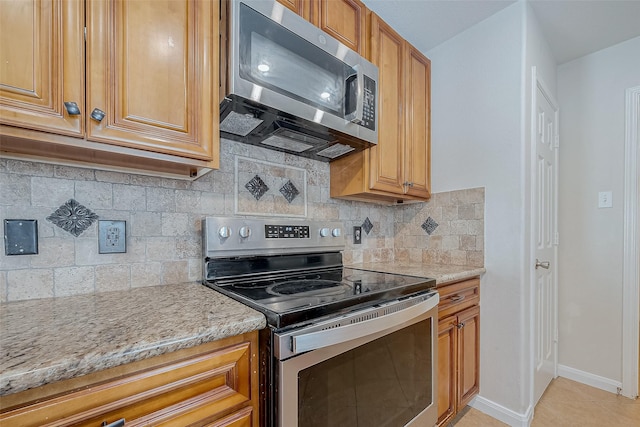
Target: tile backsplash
x=163 y=221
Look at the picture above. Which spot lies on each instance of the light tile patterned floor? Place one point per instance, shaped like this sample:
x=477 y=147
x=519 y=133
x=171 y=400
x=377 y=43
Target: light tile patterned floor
x=567 y=403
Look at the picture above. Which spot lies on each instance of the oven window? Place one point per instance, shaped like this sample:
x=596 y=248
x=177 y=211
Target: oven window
x=386 y=382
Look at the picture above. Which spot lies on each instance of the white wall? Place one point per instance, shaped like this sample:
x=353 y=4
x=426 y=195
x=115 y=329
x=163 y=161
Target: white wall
x=591 y=93
x=477 y=141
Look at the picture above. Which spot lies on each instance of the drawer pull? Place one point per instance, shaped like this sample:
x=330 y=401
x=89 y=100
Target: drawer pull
x=72 y=108
x=457 y=298
x=119 y=423
x=97 y=114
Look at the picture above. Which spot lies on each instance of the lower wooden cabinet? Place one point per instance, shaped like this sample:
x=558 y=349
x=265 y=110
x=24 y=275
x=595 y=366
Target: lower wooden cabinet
x=214 y=384
x=458 y=347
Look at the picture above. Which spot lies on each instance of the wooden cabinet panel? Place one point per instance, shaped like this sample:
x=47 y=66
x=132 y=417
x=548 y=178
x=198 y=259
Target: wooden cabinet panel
x=418 y=123
x=468 y=355
x=398 y=167
x=301 y=7
x=343 y=19
x=42 y=64
x=151 y=69
x=447 y=351
x=388 y=156
x=218 y=386
x=458 y=347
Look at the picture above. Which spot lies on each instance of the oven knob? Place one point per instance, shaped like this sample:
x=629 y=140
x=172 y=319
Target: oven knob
x=324 y=232
x=336 y=232
x=245 y=232
x=224 y=232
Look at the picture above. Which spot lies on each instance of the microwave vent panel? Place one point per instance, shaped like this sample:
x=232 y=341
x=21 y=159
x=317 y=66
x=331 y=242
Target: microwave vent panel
x=287 y=139
x=239 y=124
x=336 y=150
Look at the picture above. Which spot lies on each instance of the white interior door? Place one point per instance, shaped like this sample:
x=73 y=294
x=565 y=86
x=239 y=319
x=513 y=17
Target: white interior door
x=545 y=239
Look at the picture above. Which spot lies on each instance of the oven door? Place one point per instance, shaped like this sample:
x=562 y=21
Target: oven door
x=378 y=371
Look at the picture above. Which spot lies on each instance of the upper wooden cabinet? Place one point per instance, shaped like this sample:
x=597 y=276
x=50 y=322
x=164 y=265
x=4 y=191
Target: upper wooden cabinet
x=42 y=65
x=345 y=20
x=398 y=167
x=151 y=68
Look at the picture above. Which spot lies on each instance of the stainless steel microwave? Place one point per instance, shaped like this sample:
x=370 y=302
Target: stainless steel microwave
x=294 y=88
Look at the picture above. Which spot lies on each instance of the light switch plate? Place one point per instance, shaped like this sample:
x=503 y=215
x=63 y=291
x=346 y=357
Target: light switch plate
x=112 y=237
x=605 y=199
x=20 y=237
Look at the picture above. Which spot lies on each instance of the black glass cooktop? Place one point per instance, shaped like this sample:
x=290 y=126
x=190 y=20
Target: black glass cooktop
x=297 y=297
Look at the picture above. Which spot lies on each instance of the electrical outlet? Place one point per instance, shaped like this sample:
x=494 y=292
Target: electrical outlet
x=112 y=237
x=357 y=235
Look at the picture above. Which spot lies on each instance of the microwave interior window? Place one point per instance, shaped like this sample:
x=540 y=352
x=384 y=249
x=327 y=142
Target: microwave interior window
x=386 y=382
x=273 y=57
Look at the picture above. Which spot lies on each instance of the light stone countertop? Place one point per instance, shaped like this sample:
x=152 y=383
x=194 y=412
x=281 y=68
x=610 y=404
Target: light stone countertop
x=442 y=273
x=48 y=340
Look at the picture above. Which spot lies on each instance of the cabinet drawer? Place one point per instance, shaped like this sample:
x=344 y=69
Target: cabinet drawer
x=188 y=389
x=458 y=296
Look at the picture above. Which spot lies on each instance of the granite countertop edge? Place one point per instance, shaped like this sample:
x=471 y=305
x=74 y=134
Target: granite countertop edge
x=442 y=273
x=40 y=338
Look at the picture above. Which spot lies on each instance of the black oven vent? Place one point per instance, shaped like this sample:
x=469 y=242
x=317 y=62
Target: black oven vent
x=364 y=317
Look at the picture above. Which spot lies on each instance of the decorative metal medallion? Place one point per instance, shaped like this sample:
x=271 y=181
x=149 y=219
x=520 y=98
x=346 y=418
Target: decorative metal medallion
x=289 y=191
x=367 y=225
x=429 y=225
x=73 y=217
x=256 y=187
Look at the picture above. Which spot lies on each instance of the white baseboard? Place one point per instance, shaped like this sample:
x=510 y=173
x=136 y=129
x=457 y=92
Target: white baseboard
x=592 y=380
x=501 y=413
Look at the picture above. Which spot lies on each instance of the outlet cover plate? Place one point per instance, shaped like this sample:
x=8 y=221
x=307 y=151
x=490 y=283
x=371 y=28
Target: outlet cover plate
x=20 y=236
x=112 y=237
x=357 y=235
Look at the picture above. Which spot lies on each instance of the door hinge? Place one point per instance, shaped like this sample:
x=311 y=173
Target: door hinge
x=556 y=238
x=556 y=142
x=85 y=34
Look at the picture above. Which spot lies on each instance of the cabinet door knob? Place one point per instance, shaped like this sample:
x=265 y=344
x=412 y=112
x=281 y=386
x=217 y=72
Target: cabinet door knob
x=119 y=423
x=72 y=108
x=460 y=325
x=97 y=114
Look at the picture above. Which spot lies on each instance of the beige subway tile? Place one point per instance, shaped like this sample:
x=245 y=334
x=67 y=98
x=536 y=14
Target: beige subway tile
x=29 y=284
x=55 y=252
x=460 y=226
x=161 y=199
x=129 y=197
x=176 y=224
x=195 y=270
x=450 y=243
x=3 y=286
x=475 y=258
x=146 y=224
x=175 y=272
x=78 y=174
x=16 y=189
x=51 y=192
x=466 y=211
x=188 y=201
x=160 y=249
x=479 y=210
x=113 y=177
x=94 y=195
x=29 y=168
x=113 y=277
x=146 y=274
x=188 y=247
x=476 y=227
x=74 y=281
x=468 y=243
x=458 y=257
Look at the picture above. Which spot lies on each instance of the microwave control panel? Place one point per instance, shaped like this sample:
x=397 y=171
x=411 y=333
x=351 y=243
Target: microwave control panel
x=369 y=110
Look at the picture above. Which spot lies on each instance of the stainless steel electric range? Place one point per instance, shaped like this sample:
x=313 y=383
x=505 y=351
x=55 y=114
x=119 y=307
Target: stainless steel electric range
x=344 y=346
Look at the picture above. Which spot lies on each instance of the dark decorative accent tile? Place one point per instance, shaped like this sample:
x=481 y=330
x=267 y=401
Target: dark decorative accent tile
x=367 y=226
x=429 y=225
x=73 y=217
x=289 y=191
x=256 y=187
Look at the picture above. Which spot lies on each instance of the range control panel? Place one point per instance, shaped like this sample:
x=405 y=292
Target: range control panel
x=228 y=236
x=286 y=231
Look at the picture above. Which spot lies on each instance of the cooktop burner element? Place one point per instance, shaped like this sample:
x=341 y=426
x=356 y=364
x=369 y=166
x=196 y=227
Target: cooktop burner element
x=308 y=287
x=292 y=271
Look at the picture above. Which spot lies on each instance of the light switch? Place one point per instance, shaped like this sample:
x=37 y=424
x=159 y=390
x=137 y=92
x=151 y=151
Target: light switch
x=605 y=199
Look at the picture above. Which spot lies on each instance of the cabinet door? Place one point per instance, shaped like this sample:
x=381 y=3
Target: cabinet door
x=151 y=68
x=301 y=7
x=343 y=19
x=418 y=123
x=42 y=64
x=387 y=157
x=447 y=351
x=468 y=355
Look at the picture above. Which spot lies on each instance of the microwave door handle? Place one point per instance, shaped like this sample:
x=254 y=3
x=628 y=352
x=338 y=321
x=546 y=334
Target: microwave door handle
x=329 y=337
x=357 y=116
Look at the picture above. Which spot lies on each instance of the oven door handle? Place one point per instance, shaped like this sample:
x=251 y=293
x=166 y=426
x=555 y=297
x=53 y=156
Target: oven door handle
x=320 y=339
